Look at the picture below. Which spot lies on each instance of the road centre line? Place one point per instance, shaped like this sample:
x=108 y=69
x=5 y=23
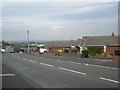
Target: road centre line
x=86 y=64
x=109 y=80
x=17 y=57
x=104 y=67
x=24 y=58
x=47 y=64
x=32 y=61
x=7 y=74
x=72 y=71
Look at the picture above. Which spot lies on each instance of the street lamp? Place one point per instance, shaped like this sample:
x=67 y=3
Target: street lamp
x=28 y=40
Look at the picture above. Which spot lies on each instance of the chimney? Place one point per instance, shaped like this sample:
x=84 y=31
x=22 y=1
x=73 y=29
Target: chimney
x=113 y=34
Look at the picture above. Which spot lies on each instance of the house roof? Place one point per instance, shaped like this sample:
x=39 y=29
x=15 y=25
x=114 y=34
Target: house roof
x=101 y=40
x=63 y=43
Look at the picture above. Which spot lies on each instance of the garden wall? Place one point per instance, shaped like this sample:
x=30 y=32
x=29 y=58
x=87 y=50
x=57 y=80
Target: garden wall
x=71 y=55
x=116 y=58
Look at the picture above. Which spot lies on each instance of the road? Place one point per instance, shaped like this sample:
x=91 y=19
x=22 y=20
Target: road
x=44 y=72
x=11 y=79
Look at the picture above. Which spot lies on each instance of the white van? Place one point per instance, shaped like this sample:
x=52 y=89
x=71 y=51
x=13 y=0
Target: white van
x=42 y=50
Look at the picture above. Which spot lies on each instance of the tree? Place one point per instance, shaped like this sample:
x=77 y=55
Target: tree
x=117 y=52
x=16 y=48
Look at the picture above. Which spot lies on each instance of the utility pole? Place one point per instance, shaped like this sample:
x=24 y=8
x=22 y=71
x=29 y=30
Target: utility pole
x=28 y=40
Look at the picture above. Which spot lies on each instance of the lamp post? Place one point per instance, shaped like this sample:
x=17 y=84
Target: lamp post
x=28 y=40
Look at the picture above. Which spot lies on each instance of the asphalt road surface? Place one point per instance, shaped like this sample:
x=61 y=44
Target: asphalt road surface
x=11 y=79
x=45 y=72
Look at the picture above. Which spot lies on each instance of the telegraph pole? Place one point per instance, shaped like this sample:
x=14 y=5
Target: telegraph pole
x=28 y=40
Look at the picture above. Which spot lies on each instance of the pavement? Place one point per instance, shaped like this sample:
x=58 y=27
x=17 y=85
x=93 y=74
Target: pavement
x=46 y=72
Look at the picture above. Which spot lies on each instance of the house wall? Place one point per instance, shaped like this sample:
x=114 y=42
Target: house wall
x=58 y=48
x=111 y=49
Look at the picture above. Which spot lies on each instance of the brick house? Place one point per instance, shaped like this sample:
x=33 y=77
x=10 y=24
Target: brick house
x=108 y=43
x=60 y=45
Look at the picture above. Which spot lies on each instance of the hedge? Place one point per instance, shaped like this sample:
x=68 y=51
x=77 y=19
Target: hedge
x=74 y=51
x=66 y=51
x=94 y=50
x=117 y=52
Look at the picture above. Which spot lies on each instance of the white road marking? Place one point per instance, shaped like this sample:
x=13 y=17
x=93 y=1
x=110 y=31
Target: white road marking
x=72 y=71
x=30 y=60
x=47 y=64
x=33 y=61
x=7 y=74
x=109 y=80
x=24 y=58
x=18 y=57
x=14 y=55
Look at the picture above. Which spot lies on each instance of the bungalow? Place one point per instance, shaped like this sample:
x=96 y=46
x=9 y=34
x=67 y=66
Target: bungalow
x=60 y=45
x=108 y=43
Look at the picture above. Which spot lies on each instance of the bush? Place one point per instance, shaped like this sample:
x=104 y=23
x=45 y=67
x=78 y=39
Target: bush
x=74 y=51
x=94 y=50
x=66 y=51
x=117 y=52
x=91 y=57
x=59 y=52
x=104 y=54
x=85 y=53
x=52 y=51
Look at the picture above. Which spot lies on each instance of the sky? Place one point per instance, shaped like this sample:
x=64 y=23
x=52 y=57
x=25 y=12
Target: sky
x=58 y=20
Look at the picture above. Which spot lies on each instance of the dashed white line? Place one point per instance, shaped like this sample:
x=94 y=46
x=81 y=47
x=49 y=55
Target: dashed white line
x=24 y=58
x=7 y=74
x=30 y=60
x=109 y=80
x=33 y=61
x=18 y=57
x=47 y=64
x=72 y=71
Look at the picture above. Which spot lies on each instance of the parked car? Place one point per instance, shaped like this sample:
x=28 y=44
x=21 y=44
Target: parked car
x=20 y=52
x=42 y=50
x=12 y=51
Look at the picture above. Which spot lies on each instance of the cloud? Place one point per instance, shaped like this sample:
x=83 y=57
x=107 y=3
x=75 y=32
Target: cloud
x=58 y=21
x=61 y=1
